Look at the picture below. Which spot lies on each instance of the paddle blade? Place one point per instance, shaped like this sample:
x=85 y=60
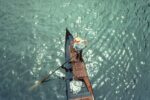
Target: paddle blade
x=36 y=84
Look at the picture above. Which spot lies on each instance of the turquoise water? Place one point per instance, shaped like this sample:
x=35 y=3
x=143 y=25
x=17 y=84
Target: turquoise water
x=32 y=44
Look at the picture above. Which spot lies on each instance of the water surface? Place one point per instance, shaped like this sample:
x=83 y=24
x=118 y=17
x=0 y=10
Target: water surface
x=32 y=44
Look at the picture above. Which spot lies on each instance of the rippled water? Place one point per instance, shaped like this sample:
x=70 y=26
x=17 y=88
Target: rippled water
x=32 y=44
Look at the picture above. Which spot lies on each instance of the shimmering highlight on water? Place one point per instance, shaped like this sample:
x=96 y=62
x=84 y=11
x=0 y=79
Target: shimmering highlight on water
x=32 y=45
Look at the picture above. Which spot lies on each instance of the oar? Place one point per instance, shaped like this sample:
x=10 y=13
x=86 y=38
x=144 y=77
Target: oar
x=46 y=78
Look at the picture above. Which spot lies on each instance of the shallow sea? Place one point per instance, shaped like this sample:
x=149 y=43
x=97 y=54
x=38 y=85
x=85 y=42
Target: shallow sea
x=32 y=35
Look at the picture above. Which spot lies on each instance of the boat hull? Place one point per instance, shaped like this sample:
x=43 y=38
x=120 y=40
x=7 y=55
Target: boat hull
x=76 y=70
